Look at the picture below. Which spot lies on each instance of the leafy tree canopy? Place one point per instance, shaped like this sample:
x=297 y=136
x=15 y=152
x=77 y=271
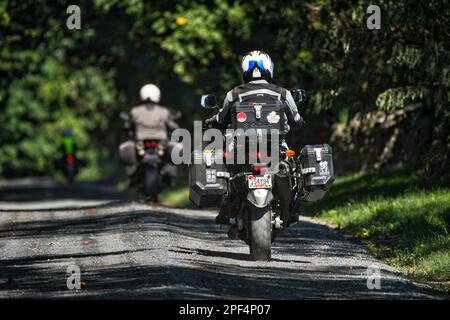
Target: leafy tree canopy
x=52 y=77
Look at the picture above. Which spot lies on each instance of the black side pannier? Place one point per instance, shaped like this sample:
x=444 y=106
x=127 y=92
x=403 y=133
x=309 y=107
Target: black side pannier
x=252 y=115
x=316 y=163
x=207 y=188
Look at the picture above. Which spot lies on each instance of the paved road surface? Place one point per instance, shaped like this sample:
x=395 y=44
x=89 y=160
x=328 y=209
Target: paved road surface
x=130 y=250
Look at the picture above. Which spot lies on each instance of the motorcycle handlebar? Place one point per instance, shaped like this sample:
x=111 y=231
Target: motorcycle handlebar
x=209 y=122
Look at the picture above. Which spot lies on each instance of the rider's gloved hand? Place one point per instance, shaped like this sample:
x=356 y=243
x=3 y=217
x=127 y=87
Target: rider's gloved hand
x=300 y=122
x=209 y=122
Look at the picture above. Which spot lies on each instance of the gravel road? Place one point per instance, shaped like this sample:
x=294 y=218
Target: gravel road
x=129 y=250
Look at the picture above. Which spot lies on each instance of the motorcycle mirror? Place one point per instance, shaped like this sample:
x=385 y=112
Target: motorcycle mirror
x=177 y=115
x=209 y=101
x=299 y=95
x=124 y=116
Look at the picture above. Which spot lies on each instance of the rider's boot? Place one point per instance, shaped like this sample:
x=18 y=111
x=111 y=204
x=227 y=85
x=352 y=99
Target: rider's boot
x=228 y=210
x=223 y=217
x=233 y=232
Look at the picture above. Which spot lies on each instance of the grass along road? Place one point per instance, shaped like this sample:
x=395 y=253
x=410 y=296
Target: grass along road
x=399 y=217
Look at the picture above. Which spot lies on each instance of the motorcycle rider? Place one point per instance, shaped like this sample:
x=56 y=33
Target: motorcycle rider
x=151 y=121
x=68 y=145
x=257 y=73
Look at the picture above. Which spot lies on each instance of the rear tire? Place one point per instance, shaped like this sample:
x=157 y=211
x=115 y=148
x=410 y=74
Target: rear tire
x=70 y=173
x=151 y=187
x=260 y=233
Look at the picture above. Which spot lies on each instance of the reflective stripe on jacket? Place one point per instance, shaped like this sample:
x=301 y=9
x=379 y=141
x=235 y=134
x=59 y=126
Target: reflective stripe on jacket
x=255 y=88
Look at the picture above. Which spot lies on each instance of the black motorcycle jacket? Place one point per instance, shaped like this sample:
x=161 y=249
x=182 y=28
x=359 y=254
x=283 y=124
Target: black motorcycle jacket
x=257 y=88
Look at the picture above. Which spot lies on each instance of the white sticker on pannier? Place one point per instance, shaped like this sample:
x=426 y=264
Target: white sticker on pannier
x=211 y=176
x=308 y=170
x=323 y=168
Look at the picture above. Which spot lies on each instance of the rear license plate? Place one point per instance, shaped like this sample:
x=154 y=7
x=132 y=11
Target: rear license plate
x=260 y=182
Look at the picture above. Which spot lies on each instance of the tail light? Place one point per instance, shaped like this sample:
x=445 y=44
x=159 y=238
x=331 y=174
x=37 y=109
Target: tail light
x=151 y=144
x=258 y=168
x=69 y=159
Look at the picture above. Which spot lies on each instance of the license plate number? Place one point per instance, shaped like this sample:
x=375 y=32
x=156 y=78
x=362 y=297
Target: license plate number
x=260 y=182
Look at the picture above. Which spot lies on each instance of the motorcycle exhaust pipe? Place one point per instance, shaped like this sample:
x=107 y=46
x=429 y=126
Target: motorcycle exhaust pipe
x=283 y=188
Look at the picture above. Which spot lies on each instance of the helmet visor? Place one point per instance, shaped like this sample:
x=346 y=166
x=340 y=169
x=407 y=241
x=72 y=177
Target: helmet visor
x=259 y=63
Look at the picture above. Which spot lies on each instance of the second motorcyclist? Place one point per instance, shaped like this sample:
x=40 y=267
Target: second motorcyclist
x=149 y=121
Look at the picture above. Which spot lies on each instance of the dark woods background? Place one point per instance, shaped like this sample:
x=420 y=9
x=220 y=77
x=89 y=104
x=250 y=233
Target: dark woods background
x=379 y=97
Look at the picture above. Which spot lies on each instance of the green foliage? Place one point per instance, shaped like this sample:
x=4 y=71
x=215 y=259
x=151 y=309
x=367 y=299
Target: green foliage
x=398 y=98
x=178 y=197
x=51 y=77
x=45 y=89
x=399 y=217
x=194 y=35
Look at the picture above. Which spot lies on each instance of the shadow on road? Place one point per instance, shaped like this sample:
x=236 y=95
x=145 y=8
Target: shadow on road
x=49 y=190
x=197 y=282
x=205 y=266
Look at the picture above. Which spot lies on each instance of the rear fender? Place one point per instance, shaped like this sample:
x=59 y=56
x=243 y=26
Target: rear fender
x=260 y=198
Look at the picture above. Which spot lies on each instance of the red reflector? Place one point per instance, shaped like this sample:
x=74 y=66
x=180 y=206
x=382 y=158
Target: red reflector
x=69 y=159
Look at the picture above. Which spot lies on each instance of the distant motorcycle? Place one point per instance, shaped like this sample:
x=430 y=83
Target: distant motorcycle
x=69 y=163
x=267 y=199
x=147 y=162
x=70 y=166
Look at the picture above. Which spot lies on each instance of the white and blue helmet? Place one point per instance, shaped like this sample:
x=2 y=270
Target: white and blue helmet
x=257 y=65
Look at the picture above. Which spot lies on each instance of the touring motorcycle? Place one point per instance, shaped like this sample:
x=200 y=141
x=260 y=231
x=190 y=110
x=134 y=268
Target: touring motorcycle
x=147 y=162
x=267 y=195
